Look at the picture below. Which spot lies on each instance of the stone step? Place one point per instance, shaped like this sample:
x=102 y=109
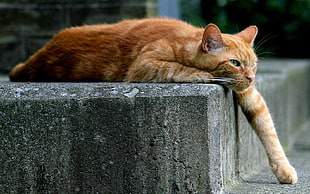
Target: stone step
x=263 y=181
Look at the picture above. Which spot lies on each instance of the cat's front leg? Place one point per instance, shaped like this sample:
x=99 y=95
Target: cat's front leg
x=257 y=113
x=181 y=73
x=152 y=70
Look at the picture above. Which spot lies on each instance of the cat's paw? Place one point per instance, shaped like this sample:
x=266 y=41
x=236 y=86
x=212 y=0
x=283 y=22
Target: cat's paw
x=285 y=173
x=202 y=77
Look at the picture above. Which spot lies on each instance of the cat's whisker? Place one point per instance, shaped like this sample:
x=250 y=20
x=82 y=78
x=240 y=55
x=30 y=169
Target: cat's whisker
x=259 y=49
x=260 y=58
x=222 y=79
x=263 y=41
x=266 y=52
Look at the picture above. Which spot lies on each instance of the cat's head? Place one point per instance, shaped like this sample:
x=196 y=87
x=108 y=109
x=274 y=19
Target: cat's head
x=231 y=58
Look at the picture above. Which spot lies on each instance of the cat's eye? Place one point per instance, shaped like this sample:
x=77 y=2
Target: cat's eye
x=235 y=63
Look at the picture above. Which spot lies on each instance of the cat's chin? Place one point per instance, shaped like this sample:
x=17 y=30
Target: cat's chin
x=243 y=88
x=239 y=89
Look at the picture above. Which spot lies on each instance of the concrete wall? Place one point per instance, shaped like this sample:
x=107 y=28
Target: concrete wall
x=140 y=138
x=119 y=138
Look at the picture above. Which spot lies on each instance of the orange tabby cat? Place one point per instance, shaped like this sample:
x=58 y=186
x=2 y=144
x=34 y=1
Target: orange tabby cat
x=161 y=50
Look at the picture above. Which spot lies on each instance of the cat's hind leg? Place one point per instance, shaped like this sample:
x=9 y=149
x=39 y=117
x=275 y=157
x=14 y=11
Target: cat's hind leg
x=18 y=73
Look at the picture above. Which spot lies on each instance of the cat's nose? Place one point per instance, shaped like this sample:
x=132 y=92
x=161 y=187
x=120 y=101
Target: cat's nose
x=250 y=77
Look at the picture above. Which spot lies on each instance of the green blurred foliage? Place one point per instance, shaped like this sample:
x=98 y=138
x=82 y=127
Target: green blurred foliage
x=284 y=25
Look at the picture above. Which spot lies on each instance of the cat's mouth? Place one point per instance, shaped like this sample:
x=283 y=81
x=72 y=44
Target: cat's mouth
x=240 y=87
x=233 y=84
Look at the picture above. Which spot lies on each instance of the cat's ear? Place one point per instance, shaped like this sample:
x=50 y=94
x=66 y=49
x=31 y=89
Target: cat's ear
x=212 y=38
x=248 y=34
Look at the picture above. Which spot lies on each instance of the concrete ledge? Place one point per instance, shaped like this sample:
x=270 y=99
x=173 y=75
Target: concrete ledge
x=104 y=137
x=139 y=138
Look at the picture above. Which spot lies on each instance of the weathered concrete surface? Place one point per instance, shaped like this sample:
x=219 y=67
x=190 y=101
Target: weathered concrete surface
x=103 y=137
x=297 y=92
x=141 y=138
x=263 y=181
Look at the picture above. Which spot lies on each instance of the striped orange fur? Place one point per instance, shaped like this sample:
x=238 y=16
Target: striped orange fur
x=161 y=50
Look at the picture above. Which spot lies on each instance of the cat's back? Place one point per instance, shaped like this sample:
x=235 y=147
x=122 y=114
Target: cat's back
x=151 y=27
x=124 y=40
x=160 y=28
x=123 y=37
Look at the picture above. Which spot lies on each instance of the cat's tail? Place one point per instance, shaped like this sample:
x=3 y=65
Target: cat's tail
x=18 y=73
